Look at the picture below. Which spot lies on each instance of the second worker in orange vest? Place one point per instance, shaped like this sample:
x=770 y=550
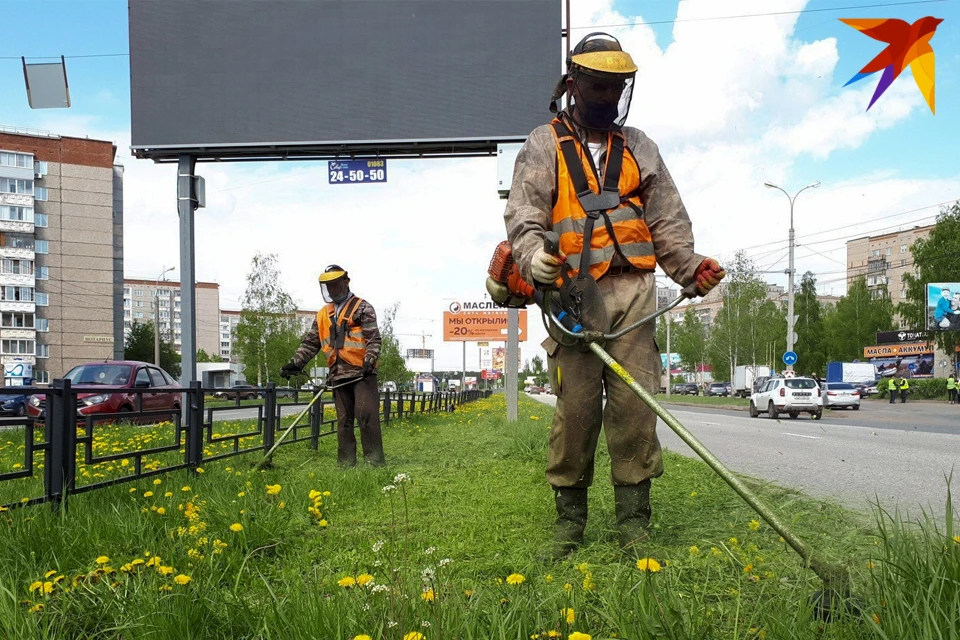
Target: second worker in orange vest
x=587 y=176
x=347 y=334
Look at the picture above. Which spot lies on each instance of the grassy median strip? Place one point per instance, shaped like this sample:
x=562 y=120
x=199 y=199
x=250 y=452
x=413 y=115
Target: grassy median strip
x=442 y=544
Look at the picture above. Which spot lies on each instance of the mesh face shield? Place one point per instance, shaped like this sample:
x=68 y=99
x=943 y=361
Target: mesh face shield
x=334 y=291
x=600 y=101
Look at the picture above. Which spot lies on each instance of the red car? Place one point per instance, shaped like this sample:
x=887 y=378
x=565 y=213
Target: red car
x=106 y=387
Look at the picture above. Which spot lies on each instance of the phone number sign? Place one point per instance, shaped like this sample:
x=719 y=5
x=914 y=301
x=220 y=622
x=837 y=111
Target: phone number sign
x=356 y=171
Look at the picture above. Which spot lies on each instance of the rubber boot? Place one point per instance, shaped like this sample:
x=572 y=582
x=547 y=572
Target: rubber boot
x=571 y=521
x=633 y=516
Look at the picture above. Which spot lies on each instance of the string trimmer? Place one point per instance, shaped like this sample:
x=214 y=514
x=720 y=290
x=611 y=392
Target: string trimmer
x=323 y=389
x=836 y=578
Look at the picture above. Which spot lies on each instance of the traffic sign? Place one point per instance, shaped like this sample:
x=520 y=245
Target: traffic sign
x=790 y=358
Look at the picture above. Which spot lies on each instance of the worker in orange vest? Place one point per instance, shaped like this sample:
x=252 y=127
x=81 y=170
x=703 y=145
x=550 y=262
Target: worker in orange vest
x=346 y=331
x=586 y=175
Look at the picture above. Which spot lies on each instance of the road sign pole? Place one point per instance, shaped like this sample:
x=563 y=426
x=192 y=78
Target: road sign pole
x=510 y=365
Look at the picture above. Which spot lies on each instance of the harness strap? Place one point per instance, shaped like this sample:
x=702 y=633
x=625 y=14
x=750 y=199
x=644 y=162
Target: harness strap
x=339 y=326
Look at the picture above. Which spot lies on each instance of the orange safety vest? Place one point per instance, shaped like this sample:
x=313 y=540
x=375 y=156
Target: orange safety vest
x=619 y=227
x=341 y=337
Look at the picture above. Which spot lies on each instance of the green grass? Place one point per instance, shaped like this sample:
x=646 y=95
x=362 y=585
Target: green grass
x=475 y=510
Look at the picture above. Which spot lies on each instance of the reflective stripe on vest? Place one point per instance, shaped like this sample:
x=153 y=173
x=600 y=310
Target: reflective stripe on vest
x=341 y=338
x=629 y=229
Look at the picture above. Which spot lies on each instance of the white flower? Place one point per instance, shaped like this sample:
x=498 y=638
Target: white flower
x=425 y=624
x=389 y=488
x=429 y=550
x=377 y=546
x=429 y=574
x=445 y=562
x=391 y=624
x=378 y=563
x=401 y=478
x=366 y=607
x=379 y=588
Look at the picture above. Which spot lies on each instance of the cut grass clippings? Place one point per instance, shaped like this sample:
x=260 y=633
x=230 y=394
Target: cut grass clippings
x=441 y=544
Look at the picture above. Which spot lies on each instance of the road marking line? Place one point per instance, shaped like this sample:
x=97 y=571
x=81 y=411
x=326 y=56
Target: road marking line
x=797 y=435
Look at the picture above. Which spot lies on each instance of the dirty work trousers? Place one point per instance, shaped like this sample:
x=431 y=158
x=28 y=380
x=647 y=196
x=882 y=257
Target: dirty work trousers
x=579 y=380
x=360 y=402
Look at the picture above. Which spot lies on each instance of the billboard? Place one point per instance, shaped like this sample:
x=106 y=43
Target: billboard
x=943 y=306
x=287 y=78
x=897 y=337
x=475 y=326
x=914 y=359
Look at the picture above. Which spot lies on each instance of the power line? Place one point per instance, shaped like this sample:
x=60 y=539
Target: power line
x=757 y=15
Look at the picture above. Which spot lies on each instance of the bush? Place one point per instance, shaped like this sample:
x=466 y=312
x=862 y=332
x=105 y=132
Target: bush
x=920 y=389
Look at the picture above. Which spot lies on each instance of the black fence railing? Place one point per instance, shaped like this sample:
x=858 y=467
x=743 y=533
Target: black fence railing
x=165 y=429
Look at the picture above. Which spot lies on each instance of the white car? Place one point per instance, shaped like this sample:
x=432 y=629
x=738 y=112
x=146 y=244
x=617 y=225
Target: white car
x=841 y=394
x=792 y=396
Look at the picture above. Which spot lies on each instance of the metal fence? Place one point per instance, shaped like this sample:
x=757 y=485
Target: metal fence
x=69 y=433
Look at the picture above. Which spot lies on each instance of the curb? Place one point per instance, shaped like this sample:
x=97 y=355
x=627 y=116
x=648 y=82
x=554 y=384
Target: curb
x=725 y=407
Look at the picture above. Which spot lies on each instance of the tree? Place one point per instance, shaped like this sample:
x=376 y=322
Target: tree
x=538 y=371
x=936 y=259
x=747 y=323
x=854 y=322
x=203 y=356
x=139 y=345
x=268 y=333
x=391 y=366
x=690 y=340
x=811 y=340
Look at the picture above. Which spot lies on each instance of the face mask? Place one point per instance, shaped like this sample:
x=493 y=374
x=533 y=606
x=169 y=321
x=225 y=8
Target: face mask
x=597 y=116
x=336 y=297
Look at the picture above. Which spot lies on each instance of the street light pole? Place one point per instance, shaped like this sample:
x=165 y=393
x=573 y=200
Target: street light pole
x=791 y=270
x=156 y=316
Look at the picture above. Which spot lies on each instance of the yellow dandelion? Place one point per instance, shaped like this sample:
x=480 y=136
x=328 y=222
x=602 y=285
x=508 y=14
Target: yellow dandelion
x=167 y=494
x=568 y=587
x=241 y=494
x=576 y=635
x=956 y=539
x=36 y=586
x=548 y=578
x=323 y=523
x=468 y=593
x=876 y=619
x=754 y=525
x=428 y=595
x=346 y=581
x=693 y=494
x=553 y=633
x=132 y=490
x=870 y=565
x=362 y=636
x=52 y=572
x=148 y=494
x=199 y=469
x=314 y=494
x=515 y=578
x=281 y=505
x=35 y=608
x=161 y=510
x=166 y=587
x=47 y=588
x=748 y=568
x=273 y=489
x=569 y=615
x=648 y=564
x=734 y=541
x=185 y=488
x=164 y=571
x=236 y=527
x=414 y=635
x=136 y=561
x=182 y=579
x=326 y=494
x=158 y=481
x=694 y=550
x=582 y=567
x=364 y=579
x=103 y=560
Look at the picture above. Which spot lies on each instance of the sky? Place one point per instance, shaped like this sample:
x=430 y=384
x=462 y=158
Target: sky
x=733 y=99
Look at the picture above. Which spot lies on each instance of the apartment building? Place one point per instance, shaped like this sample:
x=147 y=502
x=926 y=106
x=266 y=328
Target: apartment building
x=159 y=301
x=229 y=319
x=61 y=253
x=884 y=259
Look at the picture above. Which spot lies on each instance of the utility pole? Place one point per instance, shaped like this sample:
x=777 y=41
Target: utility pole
x=156 y=316
x=790 y=271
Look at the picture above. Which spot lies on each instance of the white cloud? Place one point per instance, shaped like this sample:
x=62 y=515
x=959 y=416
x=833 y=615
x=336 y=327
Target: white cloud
x=731 y=103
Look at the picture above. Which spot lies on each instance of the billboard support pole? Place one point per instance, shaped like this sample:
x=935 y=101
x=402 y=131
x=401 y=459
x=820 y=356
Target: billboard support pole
x=510 y=365
x=186 y=206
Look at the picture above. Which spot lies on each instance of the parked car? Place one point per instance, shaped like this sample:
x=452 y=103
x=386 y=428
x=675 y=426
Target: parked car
x=107 y=387
x=729 y=389
x=868 y=389
x=13 y=405
x=243 y=391
x=286 y=392
x=759 y=382
x=686 y=389
x=717 y=389
x=533 y=390
x=792 y=396
x=840 y=394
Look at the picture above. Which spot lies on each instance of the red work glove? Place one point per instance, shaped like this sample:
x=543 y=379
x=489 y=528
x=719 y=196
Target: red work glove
x=708 y=275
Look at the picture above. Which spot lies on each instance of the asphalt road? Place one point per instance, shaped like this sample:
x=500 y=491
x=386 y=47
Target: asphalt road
x=897 y=454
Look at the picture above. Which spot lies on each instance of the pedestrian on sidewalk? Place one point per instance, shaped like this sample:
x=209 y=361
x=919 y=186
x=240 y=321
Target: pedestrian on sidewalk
x=892 y=389
x=952 y=388
x=904 y=388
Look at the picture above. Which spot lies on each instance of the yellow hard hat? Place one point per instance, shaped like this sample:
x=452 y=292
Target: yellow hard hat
x=331 y=273
x=602 y=56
